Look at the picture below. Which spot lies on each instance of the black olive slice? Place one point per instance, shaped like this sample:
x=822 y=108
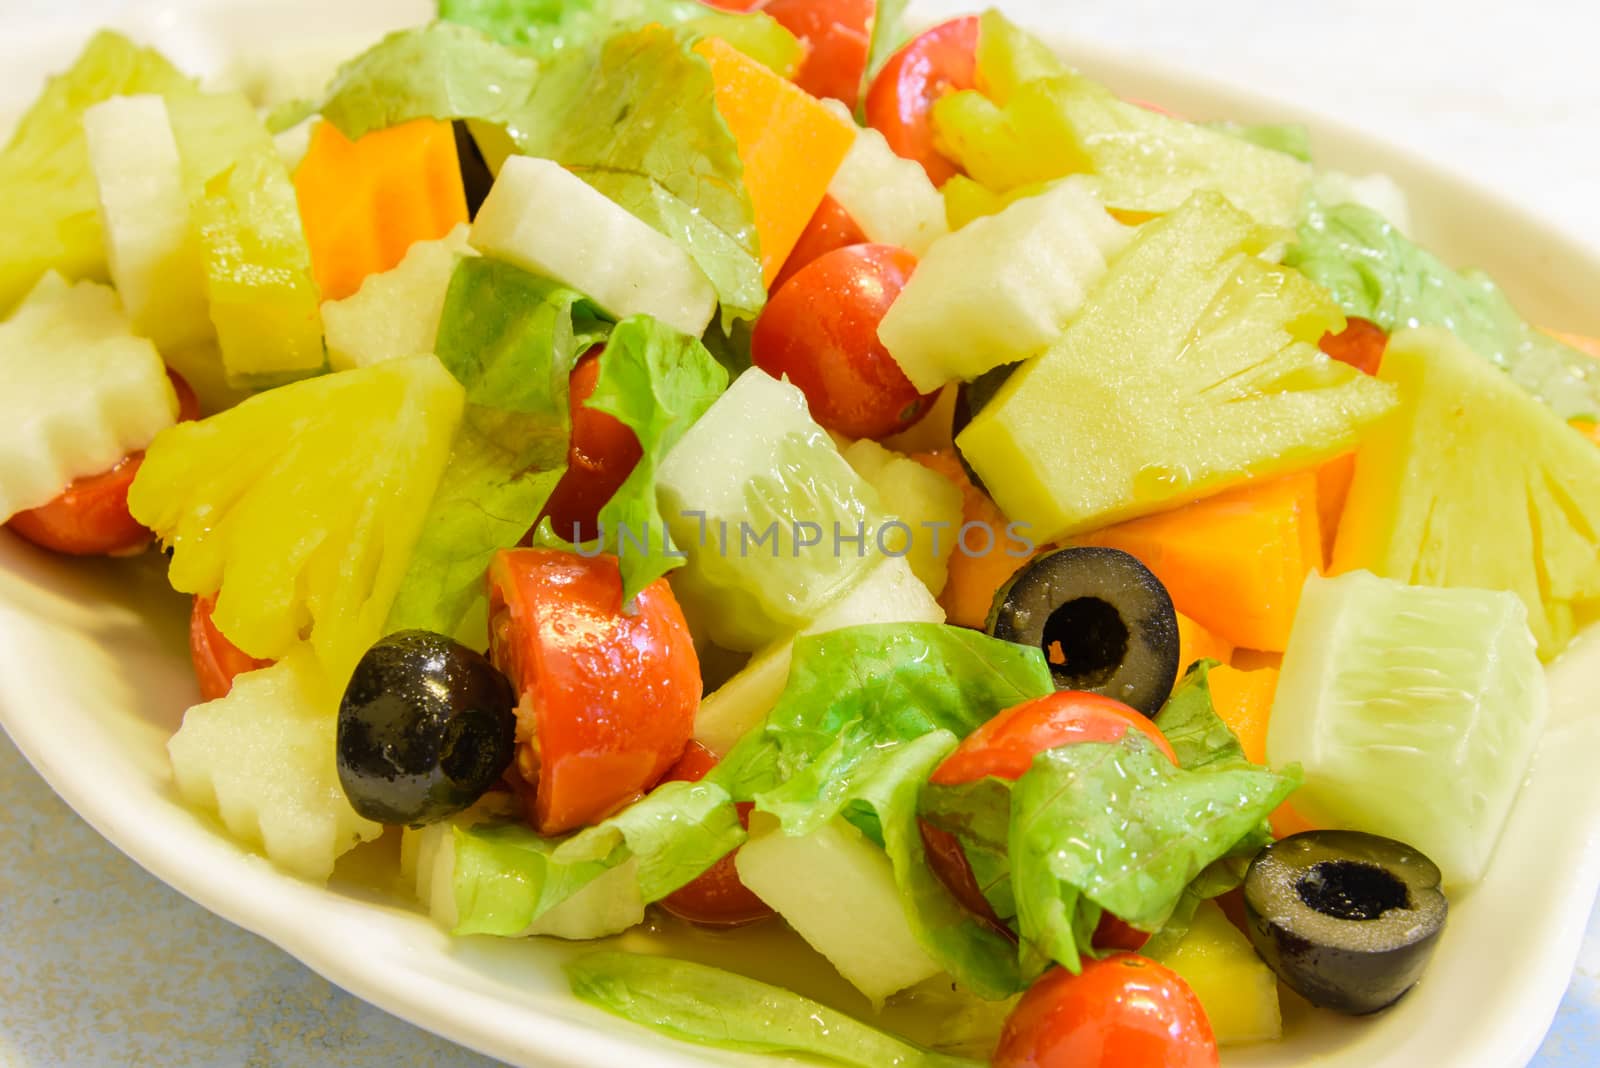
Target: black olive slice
x=476 y=178
x=1105 y=623
x=426 y=726
x=1347 y=920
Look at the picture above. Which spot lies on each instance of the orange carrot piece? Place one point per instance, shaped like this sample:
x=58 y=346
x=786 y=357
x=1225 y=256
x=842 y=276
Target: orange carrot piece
x=1234 y=562
x=1333 y=489
x=1255 y=660
x=1197 y=643
x=974 y=579
x=363 y=203
x=1587 y=429
x=1591 y=345
x=790 y=145
x=1243 y=700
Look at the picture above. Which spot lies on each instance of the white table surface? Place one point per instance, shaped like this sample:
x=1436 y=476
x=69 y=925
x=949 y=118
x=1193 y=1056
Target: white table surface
x=102 y=965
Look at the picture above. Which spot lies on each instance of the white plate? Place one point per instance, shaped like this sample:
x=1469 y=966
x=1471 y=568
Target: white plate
x=94 y=676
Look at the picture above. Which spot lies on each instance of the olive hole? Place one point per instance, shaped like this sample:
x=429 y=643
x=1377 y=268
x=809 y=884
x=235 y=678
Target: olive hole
x=1085 y=641
x=1351 y=890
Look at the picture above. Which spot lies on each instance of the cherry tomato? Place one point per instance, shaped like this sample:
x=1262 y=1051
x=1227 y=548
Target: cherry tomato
x=1360 y=344
x=1004 y=748
x=837 y=35
x=716 y=898
x=1125 y=1011
x=901 y=97
x=734 y=5
x=1157 y=108
x=608 y=697
x=821 y=329
x=601 y=454
x=217 y=661
x=90 y=517
x=830 y=228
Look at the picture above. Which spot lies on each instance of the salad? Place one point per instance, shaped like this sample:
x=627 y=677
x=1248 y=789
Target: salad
x=754 y=469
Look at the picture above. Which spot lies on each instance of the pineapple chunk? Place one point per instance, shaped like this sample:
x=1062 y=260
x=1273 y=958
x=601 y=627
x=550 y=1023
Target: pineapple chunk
x=1476 y=483
x=144 y=207
x=1192 y=367
x=84 y=391
x=300 y=506
x=1001 y=288
x=263 y=759
x=1235 y=987
x=395 y=313
x=258 y=272
x=923 y=500
x=888 y=196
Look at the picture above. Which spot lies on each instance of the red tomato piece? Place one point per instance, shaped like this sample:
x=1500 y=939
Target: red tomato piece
x=716 y=898
x=607 y=697
x=830 y=228
x=217 y=661
x=1360 y=344
x=901 y=97
x=1004 y=748
x=601 y=454
x=822 y=331
x=90 y=517
x=1125 y=1011
x=735 y=5
x=837 y=35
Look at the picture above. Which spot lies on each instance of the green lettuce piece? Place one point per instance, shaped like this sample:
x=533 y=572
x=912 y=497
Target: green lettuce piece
x=656 y=382
x=1376 y=272
x=706 y=1005
x=511 y=339
x=1118 y=827
x=888 y=33
x=1190 y=724
x=638 y=121
x=867 y=714
x=48 y=197
x=1290 y=138
x=507 y=876
x=442 y=71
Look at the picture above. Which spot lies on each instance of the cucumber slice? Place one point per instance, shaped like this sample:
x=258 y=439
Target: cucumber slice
x=80 y=390
x=144 y=209
x=890 y=593
x=887 y=195
x=836 y=889
x=395 y=314
x=1001 y=288
x=543 y=219
x=1414 y=710
x=754 y=495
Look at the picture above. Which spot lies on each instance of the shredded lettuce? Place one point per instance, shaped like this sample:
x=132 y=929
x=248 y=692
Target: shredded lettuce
x=1375 y=272
x=48 y=197
x=888 y=32
x=656 y=382
x=698 y=1003
x=507 y=876
x=511 y=339
x=1290 y=138
x=867 y=714
x=638 y=121
x=442 y=71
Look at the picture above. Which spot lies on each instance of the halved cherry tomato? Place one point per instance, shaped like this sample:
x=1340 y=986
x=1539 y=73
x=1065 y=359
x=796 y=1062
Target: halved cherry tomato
x=716 y=898
x=90 y=517
x=601 y=454
x=735 y=5
x=1360 y=344
x=837 y=35
x=1125 y=1011
x=608 y=697
x=217 y=661
x=1004 y=748
x=821 y=329
x=901 y=97
x=830 y=228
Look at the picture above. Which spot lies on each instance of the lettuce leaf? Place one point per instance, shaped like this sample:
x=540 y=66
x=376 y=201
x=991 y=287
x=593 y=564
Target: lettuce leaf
x=638 y=121
x=48 y=197
x=545 y=27
x=656 y=382
x=507 y=876
x=1290 y=138
x=888 y=33
x=442 y=71
x=867 y=714
x=511 y=339
x=698 y=1003
x=1375 y=272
